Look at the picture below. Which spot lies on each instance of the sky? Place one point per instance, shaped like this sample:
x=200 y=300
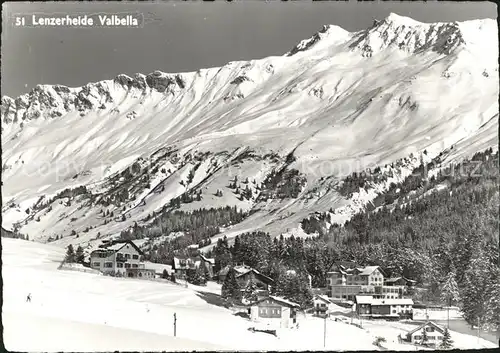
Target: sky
x=186 y=36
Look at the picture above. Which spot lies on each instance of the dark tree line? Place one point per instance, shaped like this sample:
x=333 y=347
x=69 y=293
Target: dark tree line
x=285 y=183
x=198 y=227
x=427 y=236
x=73 y=256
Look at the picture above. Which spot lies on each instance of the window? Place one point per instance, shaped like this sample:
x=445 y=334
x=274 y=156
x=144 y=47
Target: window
x=127 y=265
x=417 y=337
x=134 y=265
x=429 y=329
x=127 y=256
x=394 y=311
x=108 y=264
x=119 y=264
x=135 y=257
x=96 y=264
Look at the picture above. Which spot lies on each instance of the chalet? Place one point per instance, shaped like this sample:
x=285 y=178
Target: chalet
x=245 y=274
x=117 y=257
x=368 y=306
x=274 y=312
x=322 y=305
x=182 y=264
x=433 y=332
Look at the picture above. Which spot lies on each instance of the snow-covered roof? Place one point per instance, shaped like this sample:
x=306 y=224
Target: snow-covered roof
x=402 y=301
x=245 y=271
x=428 y=323
x=240 y=269
x=157 y=267
x=206 y=259
x=323 y=298
x=281 y=300
x=395 y=279
x=116 y=246
x=368 y=299
x=367 y=270
x=285 y=301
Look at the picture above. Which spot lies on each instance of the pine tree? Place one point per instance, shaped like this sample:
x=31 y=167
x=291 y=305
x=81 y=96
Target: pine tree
x=425 y=339
x=196 y=277
x=449 y=291
x=79 y=255
x=476 y=284
x=293 y=286
x=250 y=291
x=230 y=287
x=70 y=254
x=447 y=342
x=492 y=317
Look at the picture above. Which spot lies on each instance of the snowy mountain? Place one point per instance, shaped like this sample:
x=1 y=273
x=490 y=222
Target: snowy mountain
x=336 y=103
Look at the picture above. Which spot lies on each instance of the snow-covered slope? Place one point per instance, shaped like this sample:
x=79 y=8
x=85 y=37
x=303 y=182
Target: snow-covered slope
x=338 y=102
x=74 y=311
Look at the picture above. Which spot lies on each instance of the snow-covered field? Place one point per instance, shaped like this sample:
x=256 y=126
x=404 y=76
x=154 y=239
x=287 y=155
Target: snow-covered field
x=422 y=314
x=76 y=311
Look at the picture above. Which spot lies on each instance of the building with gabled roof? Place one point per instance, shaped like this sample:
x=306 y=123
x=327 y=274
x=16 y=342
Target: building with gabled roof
x=120 y=257
x=274 y=312
x=245 y=274
x=368 y=306
x=182 y=264
x=433 y=331
x=322 y=304
x=347 y=280
x=399 y=281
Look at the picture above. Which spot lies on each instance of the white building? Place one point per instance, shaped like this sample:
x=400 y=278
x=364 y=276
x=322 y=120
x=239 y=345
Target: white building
x=274 y=312
x=118 y=257
x=368 y=306
x=322 y=304
x=349 y=280
x=433 y=332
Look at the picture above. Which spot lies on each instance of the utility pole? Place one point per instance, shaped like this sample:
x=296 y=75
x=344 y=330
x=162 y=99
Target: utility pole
x=175 y=324
x=324 y=334
x=478 y=329
x=448 y=312
x=327 y=314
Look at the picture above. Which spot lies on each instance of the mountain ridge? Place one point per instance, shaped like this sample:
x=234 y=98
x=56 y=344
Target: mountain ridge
x=370 y=107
